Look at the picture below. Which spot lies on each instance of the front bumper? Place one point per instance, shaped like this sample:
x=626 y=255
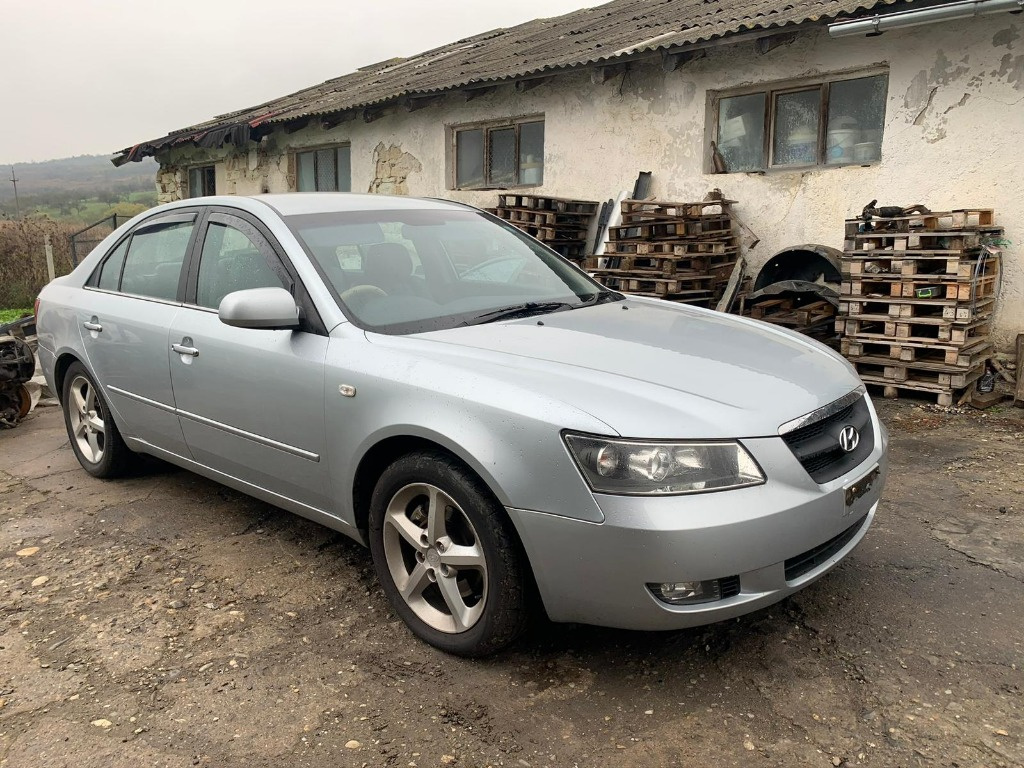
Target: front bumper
x=597 y=573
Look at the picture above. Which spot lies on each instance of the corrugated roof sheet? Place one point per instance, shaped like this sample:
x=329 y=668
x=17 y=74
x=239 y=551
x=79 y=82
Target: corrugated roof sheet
x=621 y=28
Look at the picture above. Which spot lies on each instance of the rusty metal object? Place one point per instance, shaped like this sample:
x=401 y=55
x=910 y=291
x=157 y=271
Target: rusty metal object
x=17 y=365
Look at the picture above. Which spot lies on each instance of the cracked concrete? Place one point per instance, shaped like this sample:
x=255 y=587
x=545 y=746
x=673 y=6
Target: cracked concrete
x=184 y=624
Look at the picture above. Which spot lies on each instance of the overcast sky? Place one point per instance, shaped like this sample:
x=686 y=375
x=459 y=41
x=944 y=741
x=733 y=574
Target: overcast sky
x=94 y=76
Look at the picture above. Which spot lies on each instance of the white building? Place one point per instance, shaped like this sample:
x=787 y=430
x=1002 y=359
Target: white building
x=810 y=126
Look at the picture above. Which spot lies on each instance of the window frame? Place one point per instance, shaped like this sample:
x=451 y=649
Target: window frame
x=205 y=168
x=486 y=126
x=313 y=150
x=177 y=216
x=772 y=90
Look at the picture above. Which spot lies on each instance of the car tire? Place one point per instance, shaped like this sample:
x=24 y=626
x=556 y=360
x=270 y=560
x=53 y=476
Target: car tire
x=94 y=436
x=462 y=589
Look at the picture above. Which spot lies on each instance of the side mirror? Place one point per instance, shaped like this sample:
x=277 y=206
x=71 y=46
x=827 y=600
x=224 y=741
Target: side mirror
x=267 y=308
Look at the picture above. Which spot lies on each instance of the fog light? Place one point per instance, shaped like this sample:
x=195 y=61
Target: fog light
x=687 y=592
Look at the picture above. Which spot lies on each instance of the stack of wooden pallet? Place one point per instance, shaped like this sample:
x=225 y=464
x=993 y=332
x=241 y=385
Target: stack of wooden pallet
x=681 y=252
x=917 y=299
x=559 y=223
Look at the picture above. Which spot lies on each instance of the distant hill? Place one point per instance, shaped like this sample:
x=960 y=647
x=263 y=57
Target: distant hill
x=82 y=176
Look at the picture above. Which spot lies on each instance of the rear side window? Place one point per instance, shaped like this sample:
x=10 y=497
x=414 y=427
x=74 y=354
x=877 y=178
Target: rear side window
x=152 y=266
x=110 y=272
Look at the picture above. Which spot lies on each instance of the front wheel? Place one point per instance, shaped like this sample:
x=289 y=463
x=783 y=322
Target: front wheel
x=446 y=556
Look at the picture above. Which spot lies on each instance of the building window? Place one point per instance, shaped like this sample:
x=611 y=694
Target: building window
x=498 y=155
x=328 y=169
x=795 y=125
x=202 y=181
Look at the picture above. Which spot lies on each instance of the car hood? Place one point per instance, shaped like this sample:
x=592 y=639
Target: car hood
x=653 y=369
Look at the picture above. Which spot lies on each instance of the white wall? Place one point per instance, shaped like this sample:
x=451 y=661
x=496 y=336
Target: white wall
x=954 y=131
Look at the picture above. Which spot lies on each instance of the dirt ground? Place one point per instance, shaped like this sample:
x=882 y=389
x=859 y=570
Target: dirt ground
x=165 y=620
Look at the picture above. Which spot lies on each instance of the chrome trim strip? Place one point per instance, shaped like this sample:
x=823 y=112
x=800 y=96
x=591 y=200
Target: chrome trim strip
x=824 y=412
x=302 y=454
x=124 y=294
x=140 y=399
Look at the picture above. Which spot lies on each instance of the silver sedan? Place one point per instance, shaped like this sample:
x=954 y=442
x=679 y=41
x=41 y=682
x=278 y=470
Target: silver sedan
x=493 y=423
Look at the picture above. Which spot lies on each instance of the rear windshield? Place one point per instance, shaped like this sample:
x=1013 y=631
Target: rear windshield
x=410 y=271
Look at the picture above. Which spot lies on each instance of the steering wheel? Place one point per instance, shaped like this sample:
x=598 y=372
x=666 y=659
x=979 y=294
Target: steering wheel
x=358 y=296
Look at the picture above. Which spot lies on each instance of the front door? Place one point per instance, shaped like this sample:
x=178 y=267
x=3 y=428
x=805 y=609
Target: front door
x=250 y=401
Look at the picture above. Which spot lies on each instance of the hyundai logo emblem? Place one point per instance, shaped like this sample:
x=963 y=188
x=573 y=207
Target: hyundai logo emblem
x=849 y=438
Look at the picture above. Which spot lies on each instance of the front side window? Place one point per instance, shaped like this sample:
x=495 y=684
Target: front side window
x=152 y=265
x=499 y=155
x=328 y=169
x=836 y=122
x=411 y=271
x=232 y=260
x=202 y=181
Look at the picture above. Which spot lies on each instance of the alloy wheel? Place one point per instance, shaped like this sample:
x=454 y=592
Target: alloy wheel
x=435 y=558
x=88 y=425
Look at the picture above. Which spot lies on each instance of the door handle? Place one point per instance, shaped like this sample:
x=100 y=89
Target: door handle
x=91 y=325
x=181 y=349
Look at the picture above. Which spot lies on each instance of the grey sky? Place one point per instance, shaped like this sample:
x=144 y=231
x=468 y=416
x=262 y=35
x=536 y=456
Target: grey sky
x=93 y=76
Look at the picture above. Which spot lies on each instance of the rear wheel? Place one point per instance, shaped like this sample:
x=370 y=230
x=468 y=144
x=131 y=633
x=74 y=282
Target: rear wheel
x=91 y=429
x=446 y=556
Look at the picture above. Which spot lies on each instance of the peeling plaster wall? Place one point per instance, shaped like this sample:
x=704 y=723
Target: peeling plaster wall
x=953 y=131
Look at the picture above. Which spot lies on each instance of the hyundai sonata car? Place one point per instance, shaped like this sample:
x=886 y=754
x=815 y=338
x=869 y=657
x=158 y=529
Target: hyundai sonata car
x=497 y=427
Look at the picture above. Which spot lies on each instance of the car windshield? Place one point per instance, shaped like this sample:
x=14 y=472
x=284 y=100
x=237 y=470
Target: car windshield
x=410 y=271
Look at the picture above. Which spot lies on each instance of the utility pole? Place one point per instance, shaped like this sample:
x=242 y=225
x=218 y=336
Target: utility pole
x=17 y=206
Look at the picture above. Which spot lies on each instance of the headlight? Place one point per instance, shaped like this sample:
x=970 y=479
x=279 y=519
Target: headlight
x=630 y=467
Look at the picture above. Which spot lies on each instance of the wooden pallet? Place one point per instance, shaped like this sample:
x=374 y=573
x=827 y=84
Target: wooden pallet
x=943 y=397
x=658 y=286
x=963 y=219
x=919 y=374
x=946 y=240
x=658 y=265
x=675 y=230
x=918 y=309
x=966 y=356
x=676 y=210
x=882 y=327
x=948 y=264
x=544 y=203
x=722 y=247
x=954 y=289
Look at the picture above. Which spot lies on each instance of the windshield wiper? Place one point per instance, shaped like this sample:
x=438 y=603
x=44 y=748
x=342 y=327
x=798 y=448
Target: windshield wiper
x=520 y=310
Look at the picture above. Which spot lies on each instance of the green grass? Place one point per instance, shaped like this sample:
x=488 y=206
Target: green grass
x=10 y=315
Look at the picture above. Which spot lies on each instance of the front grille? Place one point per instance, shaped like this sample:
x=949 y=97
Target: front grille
x=730 y=586
x=816 y=445
x=812 y=558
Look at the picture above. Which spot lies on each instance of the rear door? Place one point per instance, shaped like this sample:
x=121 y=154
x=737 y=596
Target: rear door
x=250 y=401
x=132 y=299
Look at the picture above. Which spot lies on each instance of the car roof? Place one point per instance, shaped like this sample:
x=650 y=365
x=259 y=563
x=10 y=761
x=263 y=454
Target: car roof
x=296 y=203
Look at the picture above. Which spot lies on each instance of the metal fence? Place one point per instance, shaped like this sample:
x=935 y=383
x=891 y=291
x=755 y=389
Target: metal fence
x=86 y=239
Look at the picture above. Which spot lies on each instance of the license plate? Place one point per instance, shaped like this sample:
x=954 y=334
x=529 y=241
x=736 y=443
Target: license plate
x=857 y=490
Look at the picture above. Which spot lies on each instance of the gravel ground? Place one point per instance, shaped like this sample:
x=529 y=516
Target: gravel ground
x=165 y=620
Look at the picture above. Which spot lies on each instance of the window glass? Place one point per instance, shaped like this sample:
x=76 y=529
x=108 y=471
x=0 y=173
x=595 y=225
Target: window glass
x=502 y=171
x=741 y=132
x=531 y=153
x=345 y=169
x=856 y=114
x=307 y=174
x=324 y=170
x=202 y=181
x=424 y=270
x=231 y=261
x=155 y=255
x=796 y=128
x=469 y=160
x=110 y=274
